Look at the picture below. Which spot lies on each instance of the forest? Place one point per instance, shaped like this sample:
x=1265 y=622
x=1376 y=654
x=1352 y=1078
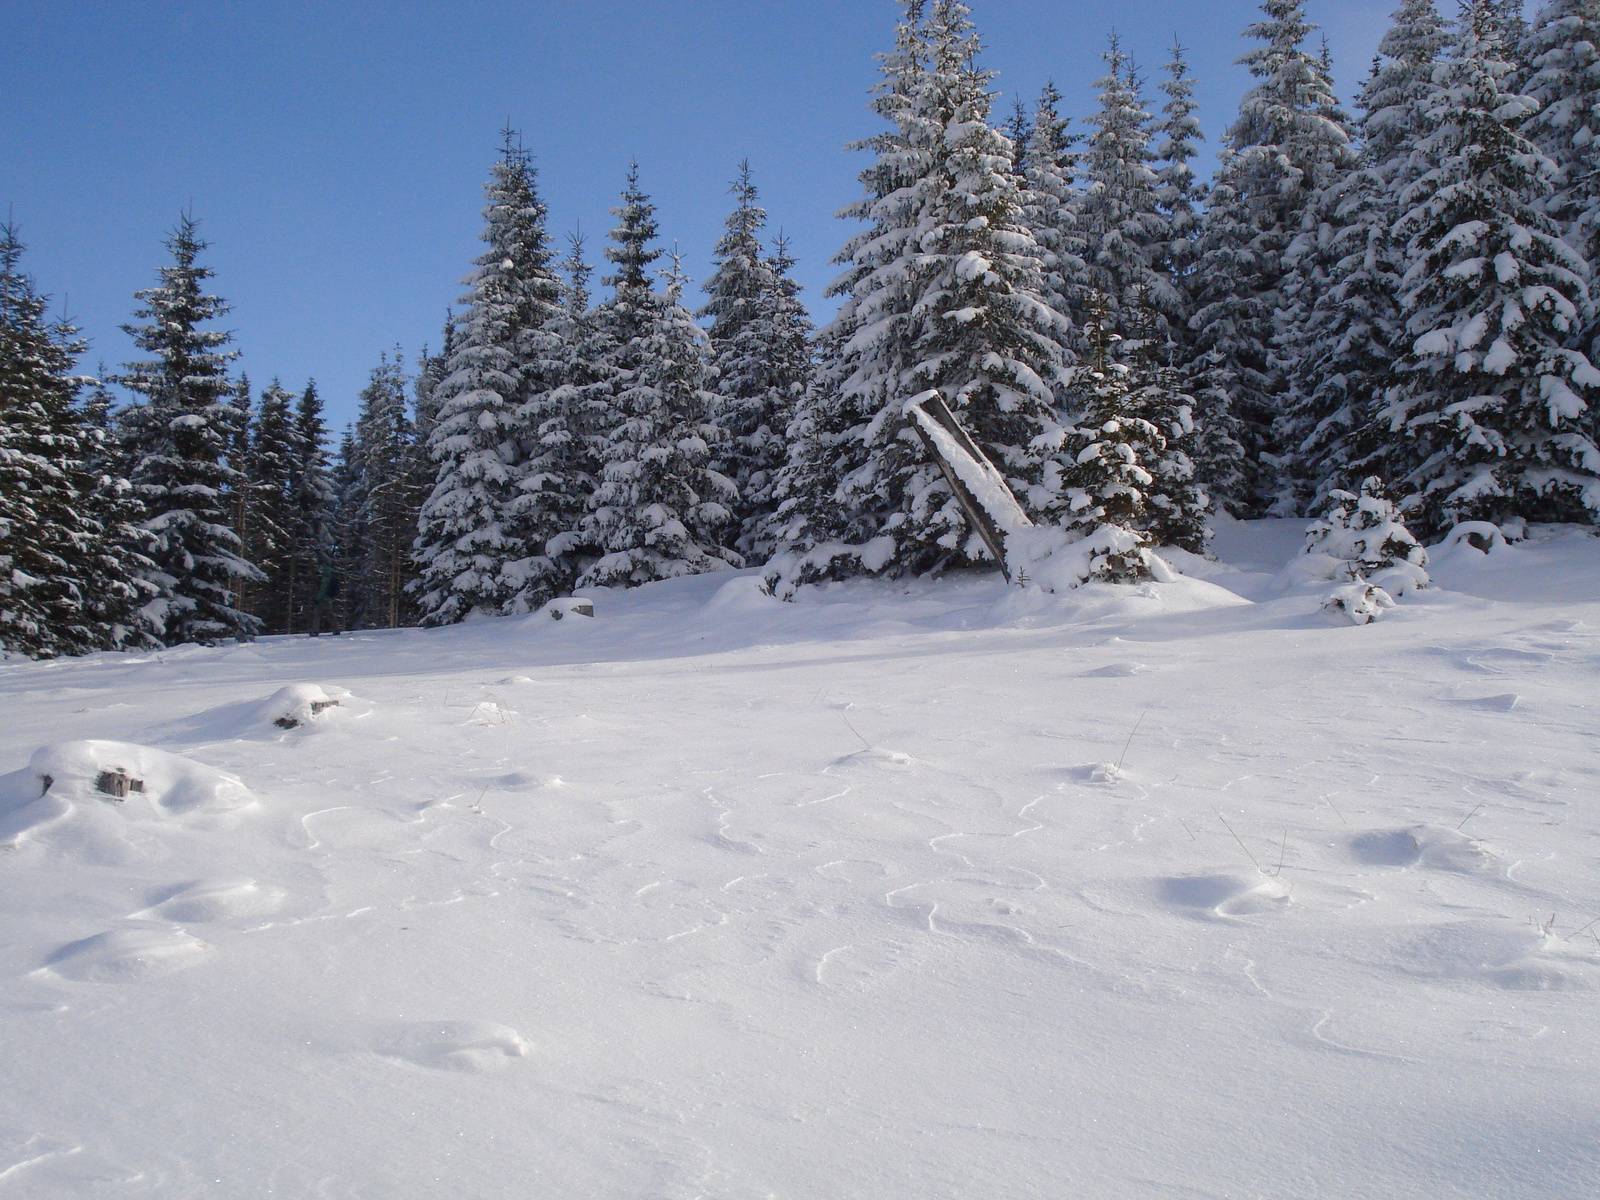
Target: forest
x=1386 y=309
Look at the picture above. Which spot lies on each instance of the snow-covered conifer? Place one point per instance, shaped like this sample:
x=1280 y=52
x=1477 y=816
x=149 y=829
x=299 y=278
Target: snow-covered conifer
x=1018 y=129
x=1125 y=231
x=269 y=539
x=759 y=348
x=383 y=515
x=1490 y=416
x=1176 y=133
x=1053 y=207
x=1287 y=145
x=660 y=511
x=1367 y=535
x=1097 y=474
x=1342 y=337
x=312 y=502
x=176 y=444
x=467 y=532
x=1562 y=50
x=942 y=290
x=559 y=464
x=67 y=556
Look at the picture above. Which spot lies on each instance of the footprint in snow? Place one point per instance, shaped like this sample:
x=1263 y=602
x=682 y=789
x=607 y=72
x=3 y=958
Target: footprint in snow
x=472 y=1047
x=127 y=955
x=1421 y=845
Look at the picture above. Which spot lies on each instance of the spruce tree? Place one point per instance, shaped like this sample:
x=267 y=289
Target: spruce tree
x=382 y=515
x=1288 y=144
x=272 y=517
x=1490 y=416
x=1178 y=193
x=1125 y=232
x=1053 y=207
x=660 y=510
x=311 y=513
x=1098 y=476
x=758 y=335
x=1342 y=340
x=1562 y=50
x=942 y=290
x=176 y=443
x=67 y=554
x=559 y=465
x=468 y=535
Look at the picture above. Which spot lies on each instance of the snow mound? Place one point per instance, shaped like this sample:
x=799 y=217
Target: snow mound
x=1092 y=602
x=298 y=706
x=474 y=1047
x=103 y=789
x=213 y=900
x=126 y=955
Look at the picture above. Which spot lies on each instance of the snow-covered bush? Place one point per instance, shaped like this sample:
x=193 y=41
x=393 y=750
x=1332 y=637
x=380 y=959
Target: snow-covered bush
x=1367 y=537
x=1357 y=603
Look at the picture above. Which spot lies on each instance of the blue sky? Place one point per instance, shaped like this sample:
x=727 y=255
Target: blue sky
x=335 y=152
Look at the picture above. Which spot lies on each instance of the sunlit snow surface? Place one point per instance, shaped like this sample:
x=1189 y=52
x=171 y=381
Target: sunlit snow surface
x=939 y=890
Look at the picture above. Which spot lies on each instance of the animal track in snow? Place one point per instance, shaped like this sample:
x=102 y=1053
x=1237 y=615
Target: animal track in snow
x=473 y=1047
x=126 y=955
x=853 y=870
x=1421 y=845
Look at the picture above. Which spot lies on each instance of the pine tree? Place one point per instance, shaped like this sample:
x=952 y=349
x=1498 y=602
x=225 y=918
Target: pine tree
x=760 y=357
x=1562 y=50
x=1288 y=145
x=312 y=515
x=1490 y=417
x=177 y=443
x=67 y=555
x=1341 y=343
x=943 y=290
x=1125 y=232
x=468 y=535
x=660 y=510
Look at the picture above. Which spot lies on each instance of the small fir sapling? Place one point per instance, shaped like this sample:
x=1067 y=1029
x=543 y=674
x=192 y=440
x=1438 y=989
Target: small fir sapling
x=1098 y=476
x=1363 y=539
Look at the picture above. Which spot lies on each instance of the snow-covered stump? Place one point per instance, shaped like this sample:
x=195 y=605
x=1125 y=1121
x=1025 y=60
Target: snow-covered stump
x=566 y=606
x=1358 y=603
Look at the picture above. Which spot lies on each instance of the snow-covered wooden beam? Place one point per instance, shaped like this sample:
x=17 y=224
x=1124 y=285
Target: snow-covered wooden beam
x=978 y=486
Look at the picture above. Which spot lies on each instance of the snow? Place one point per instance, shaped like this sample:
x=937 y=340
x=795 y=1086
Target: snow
x=903 y=889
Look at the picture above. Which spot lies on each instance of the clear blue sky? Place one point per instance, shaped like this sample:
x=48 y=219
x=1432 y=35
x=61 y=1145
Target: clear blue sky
x=335 y=152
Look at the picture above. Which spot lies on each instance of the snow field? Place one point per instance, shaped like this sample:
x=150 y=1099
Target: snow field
x=939 y=889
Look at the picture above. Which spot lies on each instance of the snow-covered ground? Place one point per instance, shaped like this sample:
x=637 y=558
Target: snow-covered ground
x=714 y=896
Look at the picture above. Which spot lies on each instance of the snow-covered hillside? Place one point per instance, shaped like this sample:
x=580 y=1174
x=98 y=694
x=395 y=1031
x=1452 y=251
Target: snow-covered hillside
x=939 y=889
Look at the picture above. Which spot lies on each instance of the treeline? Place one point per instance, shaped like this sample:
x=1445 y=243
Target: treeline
x=1401 y=294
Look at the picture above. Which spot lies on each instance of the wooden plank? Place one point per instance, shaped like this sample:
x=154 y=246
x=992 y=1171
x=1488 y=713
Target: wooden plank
x=930 y=408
